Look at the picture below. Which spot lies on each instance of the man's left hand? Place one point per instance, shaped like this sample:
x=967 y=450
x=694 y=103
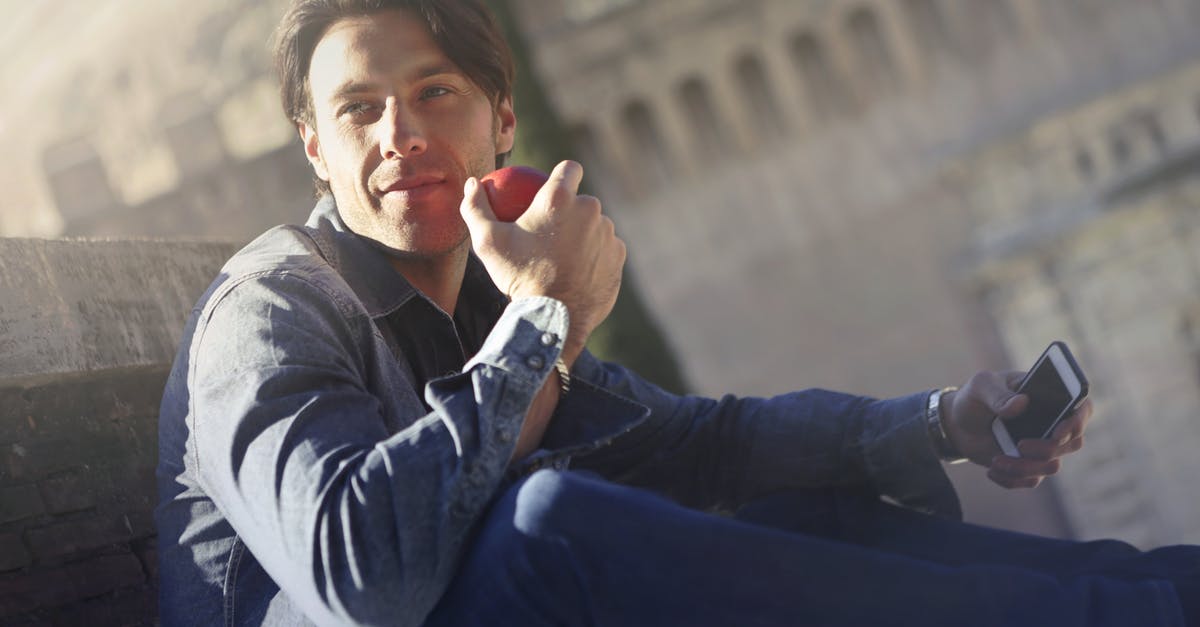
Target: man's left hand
x=967 y=417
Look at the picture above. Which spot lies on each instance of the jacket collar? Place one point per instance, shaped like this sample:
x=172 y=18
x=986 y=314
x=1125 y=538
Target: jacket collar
x=364 y=264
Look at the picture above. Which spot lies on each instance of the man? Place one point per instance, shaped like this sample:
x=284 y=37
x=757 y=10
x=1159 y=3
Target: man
x=369 y=424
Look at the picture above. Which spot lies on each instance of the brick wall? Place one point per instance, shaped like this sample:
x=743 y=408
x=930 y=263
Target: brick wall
x=87 y=333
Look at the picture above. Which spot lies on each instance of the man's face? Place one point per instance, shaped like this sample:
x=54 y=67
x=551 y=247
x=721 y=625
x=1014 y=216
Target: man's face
x=397 y=131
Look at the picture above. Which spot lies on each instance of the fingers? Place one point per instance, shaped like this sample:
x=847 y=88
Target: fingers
x=475 y=208
x=996 y=392
x=562 y=186
x=1012 y=482
x=1013 y=378
x=1041 y=457
x=567 y=174
x=1067 y=436
x=1013 y=472
x=1073 y=426
x=1049 y=449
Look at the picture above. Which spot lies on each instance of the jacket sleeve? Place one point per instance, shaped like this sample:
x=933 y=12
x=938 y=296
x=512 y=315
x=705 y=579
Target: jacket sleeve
x=354 y=523
x=710 y=453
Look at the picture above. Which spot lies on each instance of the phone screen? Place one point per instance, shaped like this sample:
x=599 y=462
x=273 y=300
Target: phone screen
x=1048 y=399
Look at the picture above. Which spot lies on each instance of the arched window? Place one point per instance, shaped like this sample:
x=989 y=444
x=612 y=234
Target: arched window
x=77 y=179
x=825 y=91
x=708 y=132
x=1122 y=152
x=872 y=53
x=1152 y=127
x=930 y=27
x=598 y=174
x=585 y=10
x=1189 y=328
x=756 y=90
x=1084 y=165
x=1070 y=15
x=652 y=158
x=994 y=23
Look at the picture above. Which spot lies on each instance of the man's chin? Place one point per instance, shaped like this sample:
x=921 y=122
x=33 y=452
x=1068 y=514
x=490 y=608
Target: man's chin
x=425 y=248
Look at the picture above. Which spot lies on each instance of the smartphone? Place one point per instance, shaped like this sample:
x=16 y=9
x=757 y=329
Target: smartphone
x=1055 y=386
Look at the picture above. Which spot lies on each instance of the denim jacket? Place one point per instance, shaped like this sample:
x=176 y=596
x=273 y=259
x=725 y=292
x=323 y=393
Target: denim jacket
x=329 y=437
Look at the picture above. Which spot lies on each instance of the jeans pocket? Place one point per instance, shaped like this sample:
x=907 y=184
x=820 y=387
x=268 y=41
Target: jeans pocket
x=229 y=590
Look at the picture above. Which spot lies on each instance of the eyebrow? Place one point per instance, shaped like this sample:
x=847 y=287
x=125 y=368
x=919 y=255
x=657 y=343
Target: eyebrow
x=352 y=86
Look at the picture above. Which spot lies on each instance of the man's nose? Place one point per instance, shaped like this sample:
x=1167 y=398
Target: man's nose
x=400 y=134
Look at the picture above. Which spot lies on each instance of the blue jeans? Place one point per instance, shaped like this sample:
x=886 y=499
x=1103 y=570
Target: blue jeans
x=566 y=548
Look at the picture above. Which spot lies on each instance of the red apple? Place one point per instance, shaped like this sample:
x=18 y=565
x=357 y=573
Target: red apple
x=511 y=190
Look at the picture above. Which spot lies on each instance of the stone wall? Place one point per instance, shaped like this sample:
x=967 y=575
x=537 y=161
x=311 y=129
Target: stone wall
x=88 y=330
x=1085 y=228
x=788 y=175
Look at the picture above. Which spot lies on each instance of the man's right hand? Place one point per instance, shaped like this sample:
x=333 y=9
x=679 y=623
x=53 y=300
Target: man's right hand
x=563 y=247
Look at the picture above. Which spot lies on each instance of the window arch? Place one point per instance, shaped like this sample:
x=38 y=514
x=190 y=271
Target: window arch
x=872 y=51
x=78 y=179
x=930 y=27
x=755 y=88
x=1152 y=128
x=704 y=125
x=586 y=10
x=653 y=158
x=598 y=171
x=994 y=22
x=824 y=89
x=1085 y=166
x=1119 y=146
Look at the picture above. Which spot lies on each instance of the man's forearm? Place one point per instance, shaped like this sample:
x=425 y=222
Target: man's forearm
x=708 y=453
x=537 y=419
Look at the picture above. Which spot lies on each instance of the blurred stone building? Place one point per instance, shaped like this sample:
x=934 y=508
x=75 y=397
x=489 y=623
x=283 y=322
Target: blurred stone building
x=145 y=118
x=883 y=195
x=879 y=196
x=1086 y=228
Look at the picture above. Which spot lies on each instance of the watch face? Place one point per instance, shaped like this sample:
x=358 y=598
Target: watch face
x=937 y=430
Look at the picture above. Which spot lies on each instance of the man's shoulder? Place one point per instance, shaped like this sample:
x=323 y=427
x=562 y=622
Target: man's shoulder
x=281 y=248
x=285 y=259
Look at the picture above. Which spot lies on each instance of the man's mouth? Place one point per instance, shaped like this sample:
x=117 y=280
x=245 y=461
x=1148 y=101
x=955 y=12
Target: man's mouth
x=413 y=183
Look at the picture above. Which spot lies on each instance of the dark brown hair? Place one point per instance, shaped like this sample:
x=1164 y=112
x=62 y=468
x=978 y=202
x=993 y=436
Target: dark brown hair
x=465 y=31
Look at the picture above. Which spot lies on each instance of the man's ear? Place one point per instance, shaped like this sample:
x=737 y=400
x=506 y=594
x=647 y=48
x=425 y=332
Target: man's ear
x=312 y=150
x=506 y=126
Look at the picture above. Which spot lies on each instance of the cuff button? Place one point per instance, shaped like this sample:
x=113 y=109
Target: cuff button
x=535 y=362
x=548 y=339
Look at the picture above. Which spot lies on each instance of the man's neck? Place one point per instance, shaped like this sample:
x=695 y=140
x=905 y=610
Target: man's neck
x=438 y=278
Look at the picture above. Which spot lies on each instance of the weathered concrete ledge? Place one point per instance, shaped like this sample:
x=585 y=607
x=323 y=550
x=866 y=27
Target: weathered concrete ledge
x=88 y=330
x=71 y=306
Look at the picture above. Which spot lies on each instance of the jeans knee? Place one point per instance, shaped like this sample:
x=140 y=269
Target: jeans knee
x=555 y=503
x=518 y=564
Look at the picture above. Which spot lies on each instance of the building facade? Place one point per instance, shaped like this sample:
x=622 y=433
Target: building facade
x=879 y=196
x=1087 y=228
x=813 y=191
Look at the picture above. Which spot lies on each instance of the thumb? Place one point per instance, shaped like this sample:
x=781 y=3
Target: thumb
x=997 y=392
x=476 y=210
x=1007 y=404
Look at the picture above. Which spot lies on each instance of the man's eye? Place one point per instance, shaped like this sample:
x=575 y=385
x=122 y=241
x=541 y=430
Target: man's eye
x=355 y=108
x=433 y=92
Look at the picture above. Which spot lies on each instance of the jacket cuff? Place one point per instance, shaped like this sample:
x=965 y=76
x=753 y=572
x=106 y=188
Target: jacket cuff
x=526 y=340
x=901 y=461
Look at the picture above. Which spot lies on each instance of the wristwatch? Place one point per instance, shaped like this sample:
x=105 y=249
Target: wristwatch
x=564 y=376
x=937 y=429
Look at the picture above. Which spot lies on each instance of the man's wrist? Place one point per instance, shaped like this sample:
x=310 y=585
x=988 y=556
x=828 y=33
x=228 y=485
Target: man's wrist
x=564 y=376
x=935 y=422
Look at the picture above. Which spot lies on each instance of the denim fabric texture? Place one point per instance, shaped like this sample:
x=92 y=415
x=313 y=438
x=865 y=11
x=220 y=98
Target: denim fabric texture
x=330 y=439
x=569 y=548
